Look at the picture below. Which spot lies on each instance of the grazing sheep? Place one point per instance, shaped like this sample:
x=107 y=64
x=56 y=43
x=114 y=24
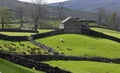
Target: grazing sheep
x=90 y=47
x=61 y=40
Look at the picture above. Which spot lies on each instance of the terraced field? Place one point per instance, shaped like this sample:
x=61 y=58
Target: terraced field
x=8 y=67
x=71 y=45
x=86 y=66
x=81 y=45
x=108 y=32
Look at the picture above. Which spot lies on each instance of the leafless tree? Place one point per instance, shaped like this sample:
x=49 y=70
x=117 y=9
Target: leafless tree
x=20 y=13
x=37 y=11
x=4 y=15
x=114 y=20
x=101 y=15
x=60 y=9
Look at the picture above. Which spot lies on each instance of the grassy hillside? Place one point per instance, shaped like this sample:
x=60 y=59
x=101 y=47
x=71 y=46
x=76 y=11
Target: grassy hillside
x=86 y=66
x=8 y=67
x=81 y=45
x=108 y=32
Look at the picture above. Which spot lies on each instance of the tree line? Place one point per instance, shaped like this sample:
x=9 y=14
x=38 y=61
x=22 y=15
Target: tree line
x=38 y=9
x=31 y=12
x=109 y=19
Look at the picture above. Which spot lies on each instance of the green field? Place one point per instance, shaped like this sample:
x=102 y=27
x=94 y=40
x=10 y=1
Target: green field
x=81 y=45
x=17 y=33
x=44 y=30
x=21 y=47
x=8 y=67
x=86 y=66
x=108 y=32
x=24 y=33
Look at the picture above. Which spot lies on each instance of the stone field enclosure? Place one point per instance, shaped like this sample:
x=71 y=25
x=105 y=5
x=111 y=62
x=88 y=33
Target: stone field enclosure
x=41 y=37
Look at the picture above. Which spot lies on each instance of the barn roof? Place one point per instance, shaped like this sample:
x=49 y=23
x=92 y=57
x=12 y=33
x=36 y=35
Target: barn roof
x=68 y=18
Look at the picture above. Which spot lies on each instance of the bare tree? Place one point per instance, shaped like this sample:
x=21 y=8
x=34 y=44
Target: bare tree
x=4 y=15
x=113 y=20
x=60 y=9
x=37 y=11
x=20 y=13
x=101 y=15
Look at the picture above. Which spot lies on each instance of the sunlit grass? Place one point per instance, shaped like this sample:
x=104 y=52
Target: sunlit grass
x=8 y=67
x=81 y=45
x=86 y=66
x=108 y=32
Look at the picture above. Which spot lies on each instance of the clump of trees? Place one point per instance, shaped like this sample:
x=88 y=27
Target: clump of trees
x=5 y=15
x=34 y=12
x=20 y=14
x=37 y=11
x=108 y=19
x=60 y=9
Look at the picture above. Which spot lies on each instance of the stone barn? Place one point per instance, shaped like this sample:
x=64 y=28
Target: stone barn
x=75 y=25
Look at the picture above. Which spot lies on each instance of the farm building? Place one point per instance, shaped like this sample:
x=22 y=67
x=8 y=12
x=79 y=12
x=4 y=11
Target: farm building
x=75 y=25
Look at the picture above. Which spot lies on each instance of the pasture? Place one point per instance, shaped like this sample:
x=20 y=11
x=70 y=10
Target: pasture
x=24 y=33
x=82 y=45
x=108 y=32
x=8 y=67
x=86 y=66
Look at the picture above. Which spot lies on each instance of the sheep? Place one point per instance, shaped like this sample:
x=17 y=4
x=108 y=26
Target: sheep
x=61 y=40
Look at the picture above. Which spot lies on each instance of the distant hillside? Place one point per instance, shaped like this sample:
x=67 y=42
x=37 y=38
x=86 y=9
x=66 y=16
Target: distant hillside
x=12 y=4
x=72 y=12
x=92 y=5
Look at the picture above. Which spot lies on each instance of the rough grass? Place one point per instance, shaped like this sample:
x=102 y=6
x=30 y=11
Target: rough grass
x=108 y=32
x=21 y=47
x=8 y=67
x=81 y=45
x=86 y=66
